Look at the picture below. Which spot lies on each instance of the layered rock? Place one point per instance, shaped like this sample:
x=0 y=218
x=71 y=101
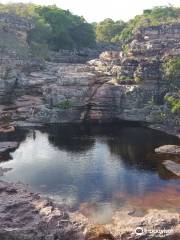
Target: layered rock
x=126 y=85
x=168 y=149
x=81 y=55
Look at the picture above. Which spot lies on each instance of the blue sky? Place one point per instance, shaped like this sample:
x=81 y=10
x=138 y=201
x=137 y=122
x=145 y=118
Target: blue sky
x=97 y=10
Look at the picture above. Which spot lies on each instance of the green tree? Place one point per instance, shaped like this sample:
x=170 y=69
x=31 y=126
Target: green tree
x=151 y=17
x=109 y=30
x=57 y=28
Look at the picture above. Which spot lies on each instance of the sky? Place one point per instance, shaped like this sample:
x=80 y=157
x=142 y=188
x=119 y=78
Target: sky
x=97 y=10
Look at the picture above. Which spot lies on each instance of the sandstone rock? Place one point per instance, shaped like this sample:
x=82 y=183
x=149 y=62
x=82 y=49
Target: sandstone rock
x=98 y=232
x=7 y=129
x=110 y=56
x=156 y=224
x=172 y=167
x=135 y=94
x=169 y=149
x=25 y=215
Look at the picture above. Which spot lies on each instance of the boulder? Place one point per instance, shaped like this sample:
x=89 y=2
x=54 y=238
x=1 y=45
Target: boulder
x=169 y=149
x=7 y=129
x=172 y=167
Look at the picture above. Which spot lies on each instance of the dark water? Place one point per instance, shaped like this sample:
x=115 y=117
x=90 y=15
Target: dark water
x=77 y=164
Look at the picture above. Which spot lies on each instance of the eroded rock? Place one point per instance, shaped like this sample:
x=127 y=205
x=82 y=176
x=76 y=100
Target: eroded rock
x=172 y=167
x=25 y=215
x=169 y=149
x=98 y=232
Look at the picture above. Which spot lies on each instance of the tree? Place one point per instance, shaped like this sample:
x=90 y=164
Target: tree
x=54 y=27
x=108 y=30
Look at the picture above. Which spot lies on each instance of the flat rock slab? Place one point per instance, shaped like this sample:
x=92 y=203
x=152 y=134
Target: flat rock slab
x=7 y=129
x=7 y=146
x=26 y=216
x=172 y=167
x=169 y=149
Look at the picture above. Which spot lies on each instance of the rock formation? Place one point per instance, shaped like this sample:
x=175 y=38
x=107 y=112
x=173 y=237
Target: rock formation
x=127 y=85
x=25 y=215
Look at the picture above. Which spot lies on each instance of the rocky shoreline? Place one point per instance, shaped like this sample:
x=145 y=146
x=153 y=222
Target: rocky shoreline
x=26 y=215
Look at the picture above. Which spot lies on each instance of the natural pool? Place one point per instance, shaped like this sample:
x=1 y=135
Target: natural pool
x=81 y=166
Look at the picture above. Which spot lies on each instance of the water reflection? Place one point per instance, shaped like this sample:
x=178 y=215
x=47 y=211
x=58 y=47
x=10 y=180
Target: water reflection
x=17 y=136
x=82 y=163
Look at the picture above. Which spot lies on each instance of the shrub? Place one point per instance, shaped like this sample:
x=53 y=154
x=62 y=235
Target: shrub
x=174 y=102
x=171 y=67
x=138 y=79
x=66 y=104
x=151 y=17
x=159 y=117
x=171 y=72
x=124 y=79
x=39 y=50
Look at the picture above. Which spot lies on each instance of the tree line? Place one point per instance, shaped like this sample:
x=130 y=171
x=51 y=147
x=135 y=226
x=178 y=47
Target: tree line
x=60 y=29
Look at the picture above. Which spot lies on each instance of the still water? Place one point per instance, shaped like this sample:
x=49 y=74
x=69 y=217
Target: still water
x=91 y=164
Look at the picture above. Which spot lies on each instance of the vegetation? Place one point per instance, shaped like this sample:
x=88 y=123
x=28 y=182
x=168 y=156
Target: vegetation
x=55 y=27
x=153 y=17
x=66 y=104
x=174 y=102
x=171 y=67
x=60 y=29
x=171 y=72
x=122 y=79
x=159 y=117
x=109 y=30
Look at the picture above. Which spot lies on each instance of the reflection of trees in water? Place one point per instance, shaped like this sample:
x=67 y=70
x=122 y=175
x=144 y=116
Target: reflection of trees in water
x=136 y=146
x=71 y=138
x=72 y=144
x=18 y=135
x=80 y=137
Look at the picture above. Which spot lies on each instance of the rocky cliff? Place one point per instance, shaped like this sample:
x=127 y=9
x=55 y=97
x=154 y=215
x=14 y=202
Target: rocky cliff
x=127 y=85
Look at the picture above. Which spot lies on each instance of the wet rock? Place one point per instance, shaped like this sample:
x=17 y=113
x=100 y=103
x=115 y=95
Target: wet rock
x=7 y=129
x=172 y=167
x=169 y=149
x=7 y=146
